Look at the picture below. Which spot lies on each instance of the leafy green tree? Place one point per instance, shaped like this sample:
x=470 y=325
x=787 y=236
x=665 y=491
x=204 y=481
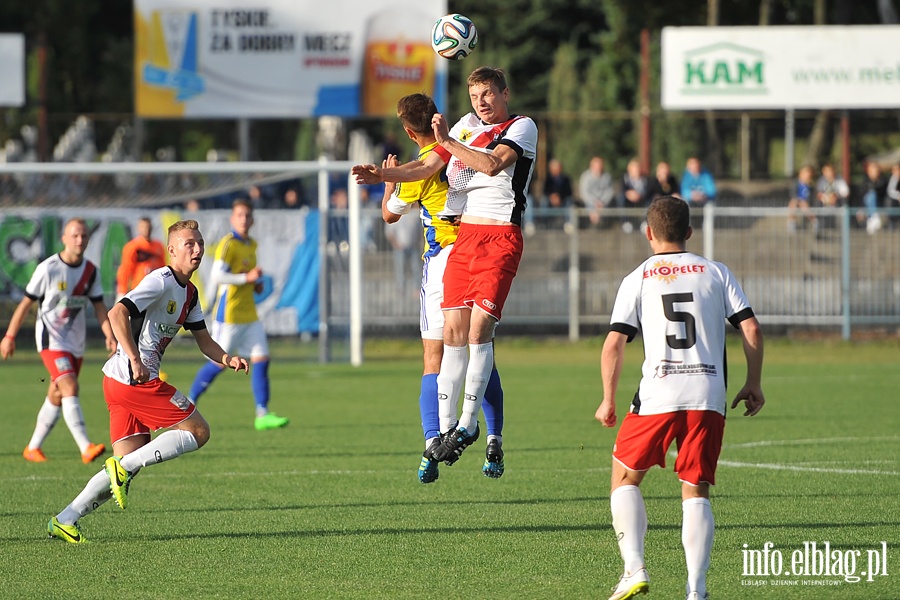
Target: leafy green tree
x=89 y=49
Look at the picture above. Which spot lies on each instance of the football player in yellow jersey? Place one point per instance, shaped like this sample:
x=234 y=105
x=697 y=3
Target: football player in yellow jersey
x=236 y=327
x=430 y=195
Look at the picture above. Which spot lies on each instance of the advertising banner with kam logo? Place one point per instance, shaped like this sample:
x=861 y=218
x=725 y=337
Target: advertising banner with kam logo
x=780 y=67
x=283 y=58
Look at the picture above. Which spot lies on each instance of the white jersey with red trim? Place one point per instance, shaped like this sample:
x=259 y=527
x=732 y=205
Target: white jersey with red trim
x=680 y=301
x=62 y=292
x=501 y=197
x=159 y=307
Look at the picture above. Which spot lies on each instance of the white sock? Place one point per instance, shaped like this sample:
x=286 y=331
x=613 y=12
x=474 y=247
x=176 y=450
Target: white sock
x=629 y=519
x=46 y=419
x=449 y=382
x=71 y=410
x=697 y=538
x=499 y=439
x=94 y=494
x=481 y=363
x=166 y=446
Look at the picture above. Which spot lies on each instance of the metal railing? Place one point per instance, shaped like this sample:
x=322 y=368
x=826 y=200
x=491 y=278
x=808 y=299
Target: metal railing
x=834 y=274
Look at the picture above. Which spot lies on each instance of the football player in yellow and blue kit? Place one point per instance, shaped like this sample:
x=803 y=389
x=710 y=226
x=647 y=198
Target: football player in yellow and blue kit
x=236 y=327
x=430 y=195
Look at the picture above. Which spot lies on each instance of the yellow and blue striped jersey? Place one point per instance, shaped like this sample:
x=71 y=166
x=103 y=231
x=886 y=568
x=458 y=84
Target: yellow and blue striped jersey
x=235 y=303
x=431 y=193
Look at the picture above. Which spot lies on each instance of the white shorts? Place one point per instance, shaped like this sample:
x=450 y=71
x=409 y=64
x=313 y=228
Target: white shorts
x=244 y=339
x=431 y=317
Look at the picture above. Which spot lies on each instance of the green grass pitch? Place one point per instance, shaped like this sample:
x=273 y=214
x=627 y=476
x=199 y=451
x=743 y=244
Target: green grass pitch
x=330 y=507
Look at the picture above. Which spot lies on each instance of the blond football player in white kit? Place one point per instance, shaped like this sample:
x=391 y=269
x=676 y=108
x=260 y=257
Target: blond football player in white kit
x=680 y=302
x=144 y=322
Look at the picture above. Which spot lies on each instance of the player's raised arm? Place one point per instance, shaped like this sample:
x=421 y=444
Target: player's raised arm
x=414 y=170
x=490 y=163
x=386 y=214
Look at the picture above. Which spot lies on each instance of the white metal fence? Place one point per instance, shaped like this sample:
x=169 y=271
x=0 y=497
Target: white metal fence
x=836 y=276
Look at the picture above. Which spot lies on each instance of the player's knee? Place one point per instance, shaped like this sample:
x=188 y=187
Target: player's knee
x=199 y=428
x=67 y=386
x=201 y=434
x=482 y=328
x=689 y=490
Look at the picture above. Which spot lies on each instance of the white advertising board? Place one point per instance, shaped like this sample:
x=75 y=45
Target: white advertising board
x=283 y=58
x=780 y=67
x=12 y=69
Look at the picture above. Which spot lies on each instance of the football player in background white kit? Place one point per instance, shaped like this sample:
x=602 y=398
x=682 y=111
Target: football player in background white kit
x=680 y=302
x=144 y=322
x=62 y=285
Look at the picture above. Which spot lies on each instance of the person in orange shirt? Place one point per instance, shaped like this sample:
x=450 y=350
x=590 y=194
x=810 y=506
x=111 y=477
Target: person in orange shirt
x=140 y=256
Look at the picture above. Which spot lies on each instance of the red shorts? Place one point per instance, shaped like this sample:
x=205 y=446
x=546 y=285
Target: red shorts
x=481 y=267
x=60 y=363
x=138 y=409
x=643 y=441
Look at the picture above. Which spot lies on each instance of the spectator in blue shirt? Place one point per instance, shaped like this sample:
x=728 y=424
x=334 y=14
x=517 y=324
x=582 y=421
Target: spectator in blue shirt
x=697 y=184
x=803 y=195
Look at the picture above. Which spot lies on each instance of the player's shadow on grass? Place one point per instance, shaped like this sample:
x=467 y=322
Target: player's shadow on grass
x=367 y=453
x=600 y=527
x=355 y=505
x=427 y=502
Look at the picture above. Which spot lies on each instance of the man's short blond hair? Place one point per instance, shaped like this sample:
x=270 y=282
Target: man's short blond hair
x=78 y=220
x=183 y=225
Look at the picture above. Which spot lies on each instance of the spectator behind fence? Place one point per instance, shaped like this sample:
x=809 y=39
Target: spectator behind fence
x=803 y=194
x=831 y=190
x=557 y=186
x=893 y=192
x=557 y=192
x=293 y=198
x=697 y=184
x=873 y=192
x=596 y=189
x=664 y=183
x=635 y=193
x=258 y=197
x=338 y=222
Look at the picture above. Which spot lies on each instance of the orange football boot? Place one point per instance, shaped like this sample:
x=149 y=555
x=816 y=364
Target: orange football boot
x=92 y=452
